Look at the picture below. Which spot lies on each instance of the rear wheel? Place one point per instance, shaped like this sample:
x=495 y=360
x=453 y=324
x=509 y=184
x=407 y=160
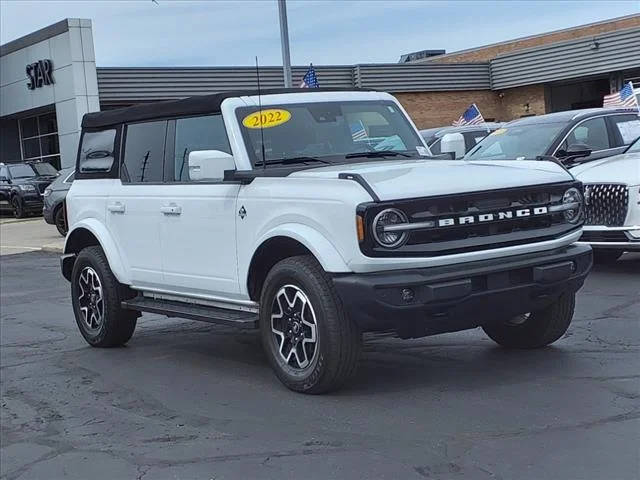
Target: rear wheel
x=96 y=296
x=60 y=221
x=311 y=345
x=606 y=256
x=535 y=329
x=18 y=207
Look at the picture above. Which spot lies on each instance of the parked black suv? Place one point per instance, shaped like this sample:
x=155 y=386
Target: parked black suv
x=22 y=186
x=572 y=137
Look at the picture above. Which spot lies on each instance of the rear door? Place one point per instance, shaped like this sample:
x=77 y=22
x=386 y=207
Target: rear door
x=198 y=228
x=134 y=203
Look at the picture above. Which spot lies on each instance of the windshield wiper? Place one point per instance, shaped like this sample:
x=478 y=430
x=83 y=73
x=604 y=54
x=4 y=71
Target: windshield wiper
x=292 y=160
x=377 y=154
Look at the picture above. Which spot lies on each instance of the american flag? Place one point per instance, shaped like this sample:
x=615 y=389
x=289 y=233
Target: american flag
x=357 y=131
x=471 y=116
x=623 y=98
x=310 y=80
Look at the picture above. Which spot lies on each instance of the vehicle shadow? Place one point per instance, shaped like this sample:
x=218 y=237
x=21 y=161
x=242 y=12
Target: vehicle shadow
x=628 y=263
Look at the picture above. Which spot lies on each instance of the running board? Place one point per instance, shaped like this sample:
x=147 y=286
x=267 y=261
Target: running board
x=224 y=316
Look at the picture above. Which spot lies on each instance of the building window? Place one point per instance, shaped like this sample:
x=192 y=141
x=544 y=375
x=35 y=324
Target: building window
x=39 y=139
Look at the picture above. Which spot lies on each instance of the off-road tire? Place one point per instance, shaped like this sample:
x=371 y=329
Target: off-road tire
x=60 y=222
x=339 y=341
x=18 y=207
x=117 y=324
x=541 y=328
x=606 y=256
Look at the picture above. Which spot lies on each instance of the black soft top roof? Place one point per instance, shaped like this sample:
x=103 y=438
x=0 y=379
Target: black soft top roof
x=198 y=105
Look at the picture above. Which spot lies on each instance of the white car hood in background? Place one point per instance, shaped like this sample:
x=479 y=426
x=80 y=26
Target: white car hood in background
x=623 y=168
x=395 y=179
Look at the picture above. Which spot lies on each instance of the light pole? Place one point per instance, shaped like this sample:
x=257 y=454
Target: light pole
x=284 y=39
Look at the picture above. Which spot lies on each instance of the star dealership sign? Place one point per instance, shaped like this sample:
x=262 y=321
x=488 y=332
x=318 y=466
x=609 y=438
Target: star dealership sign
x=40 y=73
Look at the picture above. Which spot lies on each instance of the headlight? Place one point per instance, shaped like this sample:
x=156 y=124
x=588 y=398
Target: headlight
x=572 y=199
x=387 y=237
x=47 y=192
x=27 y=188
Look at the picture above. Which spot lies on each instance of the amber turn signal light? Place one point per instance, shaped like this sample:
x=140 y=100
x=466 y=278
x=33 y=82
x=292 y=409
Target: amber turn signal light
x=360 y=228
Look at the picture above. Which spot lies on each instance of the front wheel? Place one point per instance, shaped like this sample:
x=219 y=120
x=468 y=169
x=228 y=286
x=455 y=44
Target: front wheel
x=96 y=296
x=60 y=221
x=311 y=344
x=18 y=207
x=535 y=329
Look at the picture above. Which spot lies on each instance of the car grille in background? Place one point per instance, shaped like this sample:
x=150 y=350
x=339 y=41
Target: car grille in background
x=606 y=204
x=604 y=236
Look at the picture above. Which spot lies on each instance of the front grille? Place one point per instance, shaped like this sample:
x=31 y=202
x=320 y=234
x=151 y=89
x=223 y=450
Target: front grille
x=606 y=204
x=477 y=235
x=603 y=236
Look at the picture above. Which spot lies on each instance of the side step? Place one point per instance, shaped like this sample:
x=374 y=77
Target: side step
x=224 y=316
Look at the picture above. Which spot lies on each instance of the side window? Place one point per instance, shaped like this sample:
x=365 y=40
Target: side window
x=197 y=133
x=592 y=133
x=96 y=152
x=628 y=126
x=144 y=152
x=4 y=174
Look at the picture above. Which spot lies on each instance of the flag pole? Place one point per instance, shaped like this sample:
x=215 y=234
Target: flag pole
x=284 y=39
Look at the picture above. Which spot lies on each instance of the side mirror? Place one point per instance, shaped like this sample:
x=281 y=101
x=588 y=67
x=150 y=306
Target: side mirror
x=209 y=164
x=454 y=143
x=4 y=179
x=575 y=150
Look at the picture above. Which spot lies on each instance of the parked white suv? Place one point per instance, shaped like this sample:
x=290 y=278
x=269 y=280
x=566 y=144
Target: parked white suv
x=313 y=216
x=612 y=197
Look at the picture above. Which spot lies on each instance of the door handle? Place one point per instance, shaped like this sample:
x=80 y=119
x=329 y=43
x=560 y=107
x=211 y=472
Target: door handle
x=171 y=209
x=117 y=207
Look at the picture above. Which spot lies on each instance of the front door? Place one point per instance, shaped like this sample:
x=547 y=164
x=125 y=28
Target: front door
x=134 y=206
x=198 y=228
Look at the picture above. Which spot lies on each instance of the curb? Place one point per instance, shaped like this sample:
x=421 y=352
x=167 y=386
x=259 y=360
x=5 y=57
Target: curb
x=8 y=221
x=52 y=248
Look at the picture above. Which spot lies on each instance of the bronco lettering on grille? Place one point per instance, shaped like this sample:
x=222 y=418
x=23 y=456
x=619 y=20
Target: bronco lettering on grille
x=490 y=217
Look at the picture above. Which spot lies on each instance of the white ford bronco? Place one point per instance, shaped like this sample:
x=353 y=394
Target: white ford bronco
x=313 y=216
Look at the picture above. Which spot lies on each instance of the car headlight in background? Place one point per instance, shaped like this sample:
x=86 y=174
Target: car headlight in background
x=388 y=237
x=47 y=192
x=27 y=188
x=572 y=201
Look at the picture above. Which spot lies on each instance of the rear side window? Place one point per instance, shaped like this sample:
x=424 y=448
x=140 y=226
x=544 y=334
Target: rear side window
x=628 y=126
x=197 y=133
x=144 y=152
x=96 y=151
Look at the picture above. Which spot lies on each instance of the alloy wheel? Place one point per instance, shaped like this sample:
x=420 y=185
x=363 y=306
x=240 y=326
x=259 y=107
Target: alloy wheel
x=91 y=299
x=294 y=327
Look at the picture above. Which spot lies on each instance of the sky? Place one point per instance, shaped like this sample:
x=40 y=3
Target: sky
x=325 y=32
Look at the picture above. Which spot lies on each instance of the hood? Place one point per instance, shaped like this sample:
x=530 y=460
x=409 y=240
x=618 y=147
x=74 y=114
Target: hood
x=399 y=179
x=623 y=168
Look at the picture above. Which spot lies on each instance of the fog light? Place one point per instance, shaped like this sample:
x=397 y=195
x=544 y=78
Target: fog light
x=634 y=233
x=408 y=295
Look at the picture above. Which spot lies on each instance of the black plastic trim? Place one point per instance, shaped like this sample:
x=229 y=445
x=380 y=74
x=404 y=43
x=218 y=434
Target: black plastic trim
x=356 y=177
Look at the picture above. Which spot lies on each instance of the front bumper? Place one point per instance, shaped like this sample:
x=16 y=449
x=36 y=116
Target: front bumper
x=612 y=238
x=427 y=301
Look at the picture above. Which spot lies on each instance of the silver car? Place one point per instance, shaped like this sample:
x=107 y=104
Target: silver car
x=53 y=199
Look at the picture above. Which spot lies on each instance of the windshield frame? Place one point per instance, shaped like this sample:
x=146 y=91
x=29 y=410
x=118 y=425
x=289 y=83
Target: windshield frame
x=241 y=111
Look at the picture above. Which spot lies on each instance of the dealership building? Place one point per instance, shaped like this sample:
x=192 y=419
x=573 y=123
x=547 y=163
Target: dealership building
x=49 y=80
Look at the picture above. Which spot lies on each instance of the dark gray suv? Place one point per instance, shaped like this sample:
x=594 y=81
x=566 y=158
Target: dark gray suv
x=54 y=195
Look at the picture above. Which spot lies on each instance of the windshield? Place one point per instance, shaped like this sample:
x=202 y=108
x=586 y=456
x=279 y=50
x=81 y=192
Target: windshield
x=328 y=132
x=634 y=147
x=22 y=171
x=517 y=142
x=44 y=168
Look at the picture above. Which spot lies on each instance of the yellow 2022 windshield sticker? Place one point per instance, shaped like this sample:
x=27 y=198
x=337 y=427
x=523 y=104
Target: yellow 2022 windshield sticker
x=267 y=118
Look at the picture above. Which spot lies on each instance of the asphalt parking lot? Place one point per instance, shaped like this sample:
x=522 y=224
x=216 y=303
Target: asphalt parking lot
x=186 y=400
